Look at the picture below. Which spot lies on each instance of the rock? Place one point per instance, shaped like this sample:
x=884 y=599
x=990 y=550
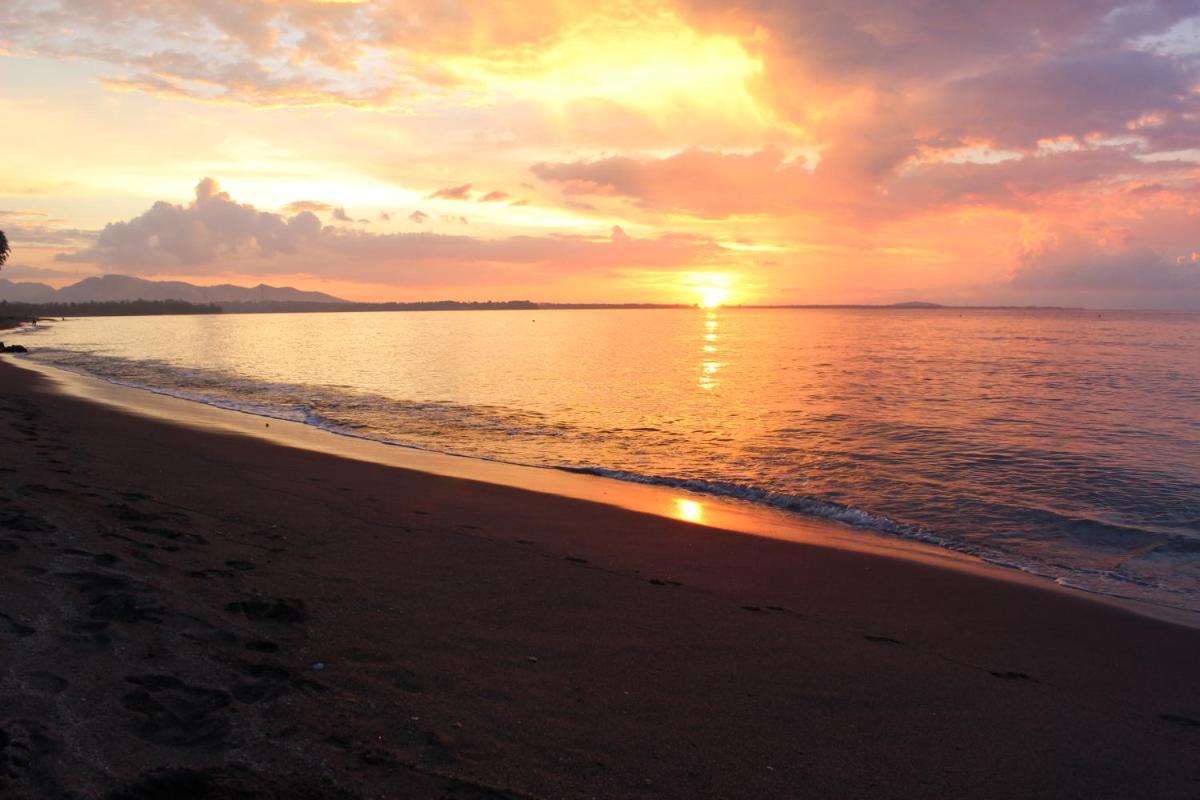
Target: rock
x=13 y=348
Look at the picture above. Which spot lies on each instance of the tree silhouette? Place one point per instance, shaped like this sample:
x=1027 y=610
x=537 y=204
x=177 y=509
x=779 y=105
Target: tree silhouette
x=4 y=248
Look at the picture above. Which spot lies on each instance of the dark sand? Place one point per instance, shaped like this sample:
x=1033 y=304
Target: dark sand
x=166 y=596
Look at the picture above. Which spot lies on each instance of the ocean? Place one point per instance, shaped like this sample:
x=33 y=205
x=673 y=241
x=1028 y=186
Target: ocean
x=1062 y=443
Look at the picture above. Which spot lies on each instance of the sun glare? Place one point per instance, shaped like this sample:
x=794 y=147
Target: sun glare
x=654 y=63
x=710 y=289
x=712 y=296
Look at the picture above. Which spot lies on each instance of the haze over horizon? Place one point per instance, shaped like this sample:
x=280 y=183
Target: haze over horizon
x=675 y=152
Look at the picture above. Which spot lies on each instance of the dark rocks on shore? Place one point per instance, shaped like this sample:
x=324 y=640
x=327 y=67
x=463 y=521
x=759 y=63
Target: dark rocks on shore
x=12 y=348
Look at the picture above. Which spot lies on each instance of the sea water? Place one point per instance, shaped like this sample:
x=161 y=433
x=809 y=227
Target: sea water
x=1062 y=443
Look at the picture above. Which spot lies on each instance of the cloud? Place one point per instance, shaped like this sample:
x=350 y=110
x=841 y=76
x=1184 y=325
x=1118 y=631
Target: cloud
x=904 y=44
x=13 y=271
x=209 y=228
x=429 y=258
x=705 y=183
x=1075 y=95
x=12 y=213
x=215 y=234
x=1021 y=182
x=385 y=216
x=22 y=236
x=340 y=215
x=419 y=217
x=715 y=185
x=314 y=206
x=873 y=85
x=452 y=193
x=286 y=53
x=1075 y=263
x=495 y=196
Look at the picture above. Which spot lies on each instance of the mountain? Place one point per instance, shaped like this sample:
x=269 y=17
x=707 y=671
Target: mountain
x=25 y=292
x=110 y=288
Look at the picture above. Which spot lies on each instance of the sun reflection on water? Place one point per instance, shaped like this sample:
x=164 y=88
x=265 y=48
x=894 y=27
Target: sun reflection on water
x=709 y=366
x=688 y=510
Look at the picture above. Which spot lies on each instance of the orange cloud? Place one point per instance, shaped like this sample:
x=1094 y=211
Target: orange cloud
x=214 y=232
x=452 y=193
x=308 y=205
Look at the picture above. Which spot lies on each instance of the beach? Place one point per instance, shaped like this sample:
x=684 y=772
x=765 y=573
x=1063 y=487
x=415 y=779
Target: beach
x=189 y=613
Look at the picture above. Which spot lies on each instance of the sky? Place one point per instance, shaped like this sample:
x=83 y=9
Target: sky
x=1029 y=152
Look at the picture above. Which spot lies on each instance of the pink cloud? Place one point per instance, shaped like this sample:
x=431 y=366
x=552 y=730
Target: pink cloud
x=210 y=227
x=215 y=234
x=705 y=183
x=452 y=193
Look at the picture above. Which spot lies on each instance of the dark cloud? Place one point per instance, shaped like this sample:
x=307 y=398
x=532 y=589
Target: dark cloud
x=419 y=217
x=1079 y=265
x=1018 y=104
x=1018 y=182
x=893 y=44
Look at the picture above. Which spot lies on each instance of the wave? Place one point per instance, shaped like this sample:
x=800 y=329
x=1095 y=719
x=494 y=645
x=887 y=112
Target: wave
x=504 y=435
x=801 y=504
x=1107 y=582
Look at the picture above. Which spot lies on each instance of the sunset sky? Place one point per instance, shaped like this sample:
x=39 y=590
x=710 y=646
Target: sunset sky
x=769 y=151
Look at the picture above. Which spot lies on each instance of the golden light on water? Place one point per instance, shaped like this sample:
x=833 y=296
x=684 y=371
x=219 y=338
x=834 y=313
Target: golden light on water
x=708 y=365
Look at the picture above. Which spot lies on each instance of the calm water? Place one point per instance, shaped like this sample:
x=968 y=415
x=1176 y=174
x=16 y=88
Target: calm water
x=1063 y=443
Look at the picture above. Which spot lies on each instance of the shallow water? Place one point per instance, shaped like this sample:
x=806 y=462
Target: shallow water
x=1063 y=443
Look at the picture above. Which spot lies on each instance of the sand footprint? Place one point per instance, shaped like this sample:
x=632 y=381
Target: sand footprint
x=170 y=712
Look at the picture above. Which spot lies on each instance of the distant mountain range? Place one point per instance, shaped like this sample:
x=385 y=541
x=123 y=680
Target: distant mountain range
x=116 y=288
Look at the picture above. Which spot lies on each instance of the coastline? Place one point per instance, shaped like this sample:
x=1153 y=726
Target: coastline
x=170 y=590
x=713 y=511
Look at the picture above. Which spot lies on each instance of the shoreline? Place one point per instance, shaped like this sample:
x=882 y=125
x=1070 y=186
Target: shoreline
x=204 y=611
x=712 y=511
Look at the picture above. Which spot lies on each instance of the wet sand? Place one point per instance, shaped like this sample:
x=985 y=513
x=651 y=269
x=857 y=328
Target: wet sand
x=202 y=615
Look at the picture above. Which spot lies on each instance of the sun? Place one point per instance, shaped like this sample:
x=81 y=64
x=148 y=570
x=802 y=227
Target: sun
x=712 y=296
x=711 y=289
